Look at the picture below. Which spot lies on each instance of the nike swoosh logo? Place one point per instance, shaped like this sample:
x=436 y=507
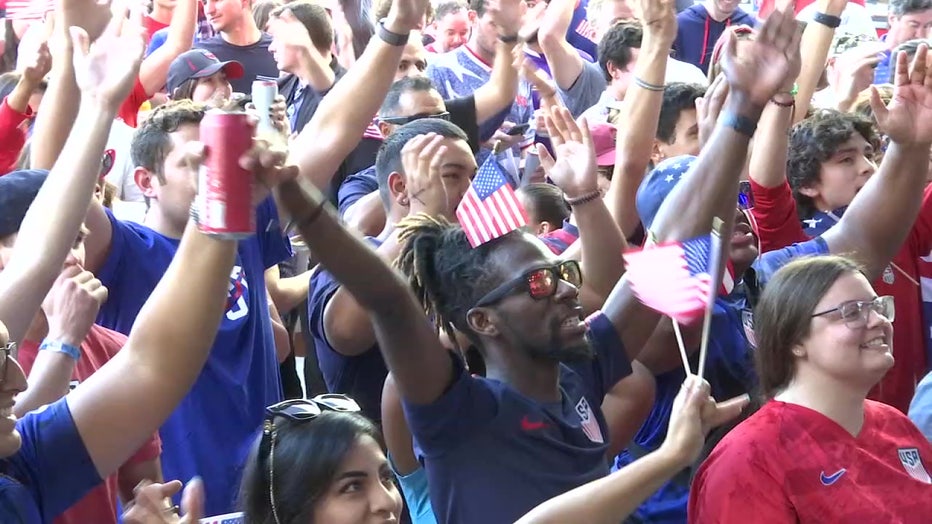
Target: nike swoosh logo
x=828 y=480
x=532 y=425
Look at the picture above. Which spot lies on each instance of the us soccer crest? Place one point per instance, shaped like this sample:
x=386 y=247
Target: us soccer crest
x=888 y=276
x=913 y=464
x=590 y=425
x=747 y=321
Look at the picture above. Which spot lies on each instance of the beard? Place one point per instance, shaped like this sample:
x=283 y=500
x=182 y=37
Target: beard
x=557 y=349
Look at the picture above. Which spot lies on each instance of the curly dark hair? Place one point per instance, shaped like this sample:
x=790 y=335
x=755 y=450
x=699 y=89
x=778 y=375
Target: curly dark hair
x=677 y=98
x=617 y=43
x=447 y=275
x=813 y=141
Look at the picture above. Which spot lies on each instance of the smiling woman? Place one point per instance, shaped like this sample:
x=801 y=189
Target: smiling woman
x=824 y=340
x=318 y=461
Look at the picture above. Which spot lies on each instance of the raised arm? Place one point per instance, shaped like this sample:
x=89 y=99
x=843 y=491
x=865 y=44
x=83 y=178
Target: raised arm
x=168 y=344
x=499 y=92
x=642 y=109
x=61 y=101
x=44 y=238
x=574 y=171
x=816 y=41
x=70 y=309
x=877 y=222
x=711 y=184
x=154 y=70
x=565 y=63
x=420 y=364
x=344 y=113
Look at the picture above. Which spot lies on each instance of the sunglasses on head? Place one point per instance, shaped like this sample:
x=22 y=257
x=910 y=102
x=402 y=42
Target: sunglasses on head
x=402 y=120
x=298 y=410
x=540 y=283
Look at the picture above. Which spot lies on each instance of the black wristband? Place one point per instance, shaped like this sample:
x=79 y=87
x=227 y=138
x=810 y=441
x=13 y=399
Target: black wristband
x=741 y=124
x=826 y=20
x=508 y=39
x=390 y=38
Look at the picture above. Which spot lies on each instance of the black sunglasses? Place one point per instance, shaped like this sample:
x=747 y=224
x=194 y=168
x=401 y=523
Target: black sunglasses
x=6 y=353
x=402 y=120
x=540 y=283
x=299 y=410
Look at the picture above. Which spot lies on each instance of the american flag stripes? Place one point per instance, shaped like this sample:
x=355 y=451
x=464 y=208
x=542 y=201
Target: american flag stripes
x=490 y=208
x=28 y=9
x=674 y=278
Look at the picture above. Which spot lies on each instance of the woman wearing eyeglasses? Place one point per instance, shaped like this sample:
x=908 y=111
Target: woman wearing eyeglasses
x=319 y=461
x=818 y=450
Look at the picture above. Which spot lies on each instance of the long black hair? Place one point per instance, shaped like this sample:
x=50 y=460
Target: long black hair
x=307 y=457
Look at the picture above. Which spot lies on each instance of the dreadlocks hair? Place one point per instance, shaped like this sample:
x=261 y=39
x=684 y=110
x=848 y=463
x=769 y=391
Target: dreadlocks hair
x=446 y=273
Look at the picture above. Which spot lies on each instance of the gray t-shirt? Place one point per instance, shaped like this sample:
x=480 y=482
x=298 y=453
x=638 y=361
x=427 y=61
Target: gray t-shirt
x=585 y=92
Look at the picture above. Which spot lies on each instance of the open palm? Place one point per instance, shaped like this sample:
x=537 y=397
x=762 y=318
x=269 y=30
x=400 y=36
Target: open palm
x=574 y=169
x=907 y=119
x=107 y=69
x=761 y=70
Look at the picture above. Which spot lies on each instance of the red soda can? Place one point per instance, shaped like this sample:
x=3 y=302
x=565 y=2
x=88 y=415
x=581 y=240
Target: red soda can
x=224 y=200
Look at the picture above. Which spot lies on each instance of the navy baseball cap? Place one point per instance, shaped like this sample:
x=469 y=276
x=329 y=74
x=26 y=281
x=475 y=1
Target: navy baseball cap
x=17 y=191
x=199 y=63
x=658 y=184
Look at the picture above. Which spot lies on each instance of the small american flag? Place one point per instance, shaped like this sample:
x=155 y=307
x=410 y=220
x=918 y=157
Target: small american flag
x=373 y=131
x=675 y=278
x=490 y=208
x=28 y=9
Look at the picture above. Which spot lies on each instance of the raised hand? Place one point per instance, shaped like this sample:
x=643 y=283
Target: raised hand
x=36 y=66
x=907 y=119
x=758 y=73
x=574 y=169
x=106 y=70
x=90 y=15
x=421 y=159
x=658 y=17
x=694 y=414
x=294 y=34
x=709 y=107
x=153 y=505
x=72 y=304
x=406 y=15
x=507 y=15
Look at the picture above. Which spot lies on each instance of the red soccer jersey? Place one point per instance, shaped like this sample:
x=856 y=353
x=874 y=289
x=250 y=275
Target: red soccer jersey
x=788 y=463
x=100 y=345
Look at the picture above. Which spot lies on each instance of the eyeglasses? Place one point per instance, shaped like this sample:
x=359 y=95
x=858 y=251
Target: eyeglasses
x=540 y=283
x=6 y=353
x=745 y=196
x=856 y=312
x=299 y=410
x=402 y=120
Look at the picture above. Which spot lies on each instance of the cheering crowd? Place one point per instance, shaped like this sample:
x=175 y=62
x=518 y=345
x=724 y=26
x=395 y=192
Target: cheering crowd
x=640 y=261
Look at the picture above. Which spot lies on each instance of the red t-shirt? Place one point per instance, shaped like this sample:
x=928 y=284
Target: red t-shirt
x=778 y=226
x=152 y=26
x=100 y=345
x=788 y=463
x=129 y=110
x=12 y=136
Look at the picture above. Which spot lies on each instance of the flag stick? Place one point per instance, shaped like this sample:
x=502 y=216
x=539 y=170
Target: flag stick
x=679 y=342
x=716 y=276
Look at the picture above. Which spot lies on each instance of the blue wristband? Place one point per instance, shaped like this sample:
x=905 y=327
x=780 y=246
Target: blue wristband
x=61 y=347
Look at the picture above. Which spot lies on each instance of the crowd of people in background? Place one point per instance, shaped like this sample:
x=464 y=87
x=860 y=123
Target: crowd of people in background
x=377 y=350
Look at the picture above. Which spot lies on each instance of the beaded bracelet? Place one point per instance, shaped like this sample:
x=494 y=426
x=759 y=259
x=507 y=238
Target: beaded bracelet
x=588 y=197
